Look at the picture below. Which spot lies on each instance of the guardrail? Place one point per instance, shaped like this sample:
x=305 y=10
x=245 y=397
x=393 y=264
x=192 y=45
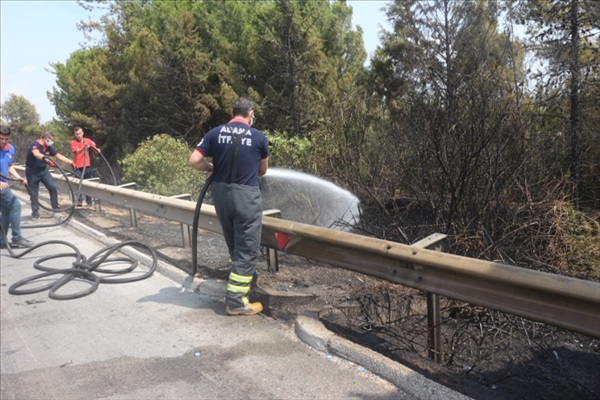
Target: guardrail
x=565 y=302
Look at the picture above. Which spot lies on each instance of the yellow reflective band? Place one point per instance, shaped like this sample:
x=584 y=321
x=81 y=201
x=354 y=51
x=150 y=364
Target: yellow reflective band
x=238 y=289
x=240 y=278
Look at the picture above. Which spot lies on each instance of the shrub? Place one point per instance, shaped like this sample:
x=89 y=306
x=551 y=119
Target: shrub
x=160 y=165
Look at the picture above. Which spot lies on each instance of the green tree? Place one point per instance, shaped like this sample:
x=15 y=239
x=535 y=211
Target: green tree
x=24 y=121
x=86 y=97
x=177 y=67
x=18 y=112
x=307 y=56
x=564 y=34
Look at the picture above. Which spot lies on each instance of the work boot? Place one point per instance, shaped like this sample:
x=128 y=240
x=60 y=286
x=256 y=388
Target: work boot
x=21 y=243
x=248 y=309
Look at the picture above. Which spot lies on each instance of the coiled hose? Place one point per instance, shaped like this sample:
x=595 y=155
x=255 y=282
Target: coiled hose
x=81 y=268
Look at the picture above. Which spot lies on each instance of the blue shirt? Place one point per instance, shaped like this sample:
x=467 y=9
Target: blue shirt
x=253 y=146
x=7 y=156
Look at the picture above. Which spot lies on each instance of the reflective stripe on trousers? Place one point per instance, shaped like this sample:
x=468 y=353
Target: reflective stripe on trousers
x=239 y=209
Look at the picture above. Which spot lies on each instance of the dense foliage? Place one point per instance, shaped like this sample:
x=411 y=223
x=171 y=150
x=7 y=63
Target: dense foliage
x=176 y=68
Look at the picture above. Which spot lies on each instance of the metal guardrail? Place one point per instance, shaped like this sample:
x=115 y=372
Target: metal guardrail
x=565 y=302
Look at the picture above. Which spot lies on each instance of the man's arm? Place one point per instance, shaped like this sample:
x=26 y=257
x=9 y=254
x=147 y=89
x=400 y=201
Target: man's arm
x=37 y=153
x=13 y=172
x=93 y=145
x=199 y=162
x=76 y=149
x=63 y=158
x=263 y=166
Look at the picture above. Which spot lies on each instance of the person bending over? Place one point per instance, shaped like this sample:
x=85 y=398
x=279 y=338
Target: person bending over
x=36 y=171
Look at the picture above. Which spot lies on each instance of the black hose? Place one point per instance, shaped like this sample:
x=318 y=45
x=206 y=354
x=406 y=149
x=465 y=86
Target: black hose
x=85 y=167
x=107 y=164
x=195 y=224
x=74 y=194
x=82 y=269
x=70 y=209
x=71 y=190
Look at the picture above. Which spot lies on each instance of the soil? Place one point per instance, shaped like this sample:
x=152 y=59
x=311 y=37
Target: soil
x=485 y=354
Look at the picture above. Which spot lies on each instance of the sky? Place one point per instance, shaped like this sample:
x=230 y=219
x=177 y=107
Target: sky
x=34 y=34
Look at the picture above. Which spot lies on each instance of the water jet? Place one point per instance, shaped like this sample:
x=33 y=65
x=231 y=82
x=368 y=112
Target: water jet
x=309 y=199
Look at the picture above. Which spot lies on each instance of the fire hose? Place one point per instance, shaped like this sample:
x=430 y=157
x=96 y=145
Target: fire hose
x=82 y=268
x=195 y=224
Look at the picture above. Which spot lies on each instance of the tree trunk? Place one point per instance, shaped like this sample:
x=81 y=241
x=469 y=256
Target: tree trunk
x=574 y=100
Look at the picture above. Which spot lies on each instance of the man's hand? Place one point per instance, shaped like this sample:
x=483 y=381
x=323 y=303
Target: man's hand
x=4 y=185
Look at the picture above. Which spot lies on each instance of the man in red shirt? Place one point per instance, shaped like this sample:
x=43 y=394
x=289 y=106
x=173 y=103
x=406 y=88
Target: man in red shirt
x=81 y=160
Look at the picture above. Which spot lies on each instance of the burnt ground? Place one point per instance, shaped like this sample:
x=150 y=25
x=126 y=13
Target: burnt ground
x=485 y=354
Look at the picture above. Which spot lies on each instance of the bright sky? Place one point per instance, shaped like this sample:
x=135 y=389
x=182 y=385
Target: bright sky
x=36 y=33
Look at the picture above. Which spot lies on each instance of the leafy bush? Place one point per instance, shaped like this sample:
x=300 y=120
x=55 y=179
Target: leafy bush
x=290 y=152
x=160 y=165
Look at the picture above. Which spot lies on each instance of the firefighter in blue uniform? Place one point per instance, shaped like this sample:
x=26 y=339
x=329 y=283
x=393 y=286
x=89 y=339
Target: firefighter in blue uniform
x=239 y=156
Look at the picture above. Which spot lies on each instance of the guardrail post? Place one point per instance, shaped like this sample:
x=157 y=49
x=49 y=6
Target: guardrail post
x=272 y=257
x=97 y=205
x=132 y=212
x=185 y=228
x=434 y=320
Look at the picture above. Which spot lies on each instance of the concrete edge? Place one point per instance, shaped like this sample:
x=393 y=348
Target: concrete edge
x=311 y=331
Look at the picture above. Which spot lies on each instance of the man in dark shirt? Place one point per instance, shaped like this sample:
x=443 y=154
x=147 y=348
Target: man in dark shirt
x=240 y=155
x=36 y=171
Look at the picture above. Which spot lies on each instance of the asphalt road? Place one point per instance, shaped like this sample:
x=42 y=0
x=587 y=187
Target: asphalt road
x=167 y=337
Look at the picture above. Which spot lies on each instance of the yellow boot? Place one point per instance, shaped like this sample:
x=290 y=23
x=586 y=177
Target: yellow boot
x=248 y=309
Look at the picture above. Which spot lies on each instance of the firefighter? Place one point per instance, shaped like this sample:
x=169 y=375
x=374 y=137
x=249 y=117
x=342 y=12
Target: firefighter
x=239 y=156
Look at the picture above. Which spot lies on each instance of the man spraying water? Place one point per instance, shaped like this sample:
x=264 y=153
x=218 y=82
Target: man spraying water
x=240 y=155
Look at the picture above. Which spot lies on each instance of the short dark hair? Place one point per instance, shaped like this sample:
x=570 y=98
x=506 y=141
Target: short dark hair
x=242 y=107
x=4 y=130
x=46 y=135
x=75 y=129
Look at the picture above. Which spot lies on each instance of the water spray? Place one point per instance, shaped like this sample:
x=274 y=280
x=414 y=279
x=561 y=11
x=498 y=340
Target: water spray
x=309 y=199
